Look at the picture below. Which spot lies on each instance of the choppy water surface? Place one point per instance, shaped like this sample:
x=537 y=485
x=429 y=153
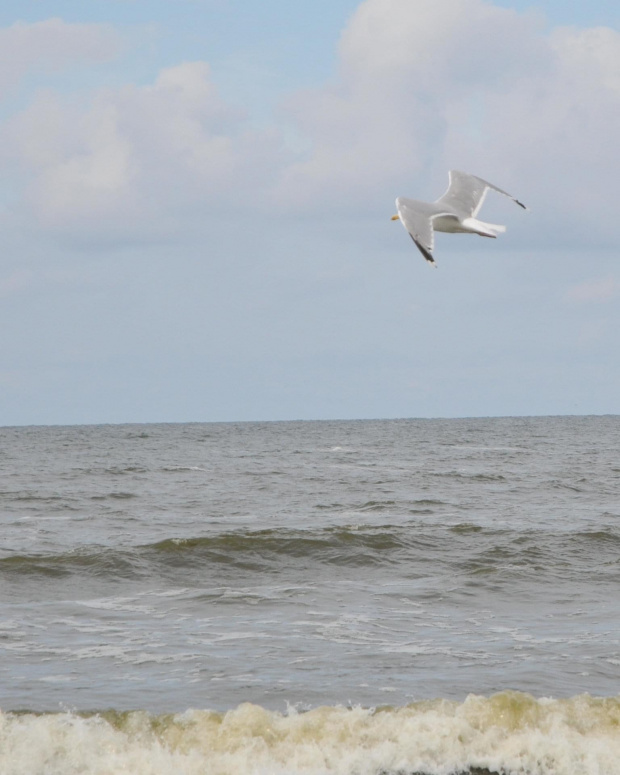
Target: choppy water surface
x=158 y=568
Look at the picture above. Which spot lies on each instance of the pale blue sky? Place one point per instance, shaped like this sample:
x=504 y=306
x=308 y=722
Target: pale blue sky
x=196 y=206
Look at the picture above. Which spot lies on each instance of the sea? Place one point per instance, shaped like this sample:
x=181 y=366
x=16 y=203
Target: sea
x=373 y=597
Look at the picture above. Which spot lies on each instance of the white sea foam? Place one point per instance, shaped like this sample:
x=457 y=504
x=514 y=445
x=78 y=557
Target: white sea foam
x=508 y=732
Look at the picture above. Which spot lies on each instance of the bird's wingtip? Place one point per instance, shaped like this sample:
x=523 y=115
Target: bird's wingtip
x=426 y=253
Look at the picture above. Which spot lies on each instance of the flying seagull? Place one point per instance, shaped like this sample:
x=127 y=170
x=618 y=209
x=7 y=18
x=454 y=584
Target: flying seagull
x=455 y=211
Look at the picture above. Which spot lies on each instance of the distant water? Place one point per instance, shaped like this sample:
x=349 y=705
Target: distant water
x=406 y=596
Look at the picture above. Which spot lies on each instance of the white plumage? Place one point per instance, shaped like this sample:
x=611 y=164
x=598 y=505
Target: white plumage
x=454 y=212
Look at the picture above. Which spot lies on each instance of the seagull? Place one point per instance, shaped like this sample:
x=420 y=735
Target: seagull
x=455 y=211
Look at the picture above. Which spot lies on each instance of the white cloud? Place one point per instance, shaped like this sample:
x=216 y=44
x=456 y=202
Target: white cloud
x=425 y=86
x=52 y=45
x=422 y=87
x=137 y=162
x=557 y=129
x=409 y=72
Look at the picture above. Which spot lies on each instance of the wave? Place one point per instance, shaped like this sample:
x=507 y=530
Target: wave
x=462 y=548
x=250 y=550
x=509 y=733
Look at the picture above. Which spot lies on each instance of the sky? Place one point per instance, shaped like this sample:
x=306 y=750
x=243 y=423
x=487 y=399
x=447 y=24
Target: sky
x=195 y=204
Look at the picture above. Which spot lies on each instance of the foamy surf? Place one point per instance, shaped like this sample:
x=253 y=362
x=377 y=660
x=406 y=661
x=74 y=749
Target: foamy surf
x=509 y=733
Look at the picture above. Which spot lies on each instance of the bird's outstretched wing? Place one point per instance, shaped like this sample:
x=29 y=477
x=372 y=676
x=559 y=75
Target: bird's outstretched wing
x=466 y=193
x=420 y=228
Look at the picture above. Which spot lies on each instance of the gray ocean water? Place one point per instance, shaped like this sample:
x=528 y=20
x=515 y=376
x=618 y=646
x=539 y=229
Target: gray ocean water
x=284 y=570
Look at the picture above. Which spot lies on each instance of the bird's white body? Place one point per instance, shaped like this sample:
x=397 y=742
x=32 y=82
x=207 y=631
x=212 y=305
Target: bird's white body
x=454 y=212
x=453 y=225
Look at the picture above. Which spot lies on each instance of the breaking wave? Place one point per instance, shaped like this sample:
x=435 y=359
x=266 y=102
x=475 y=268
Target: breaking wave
x=509 y=733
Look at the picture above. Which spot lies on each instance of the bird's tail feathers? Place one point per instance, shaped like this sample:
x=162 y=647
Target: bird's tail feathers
x=482 y=228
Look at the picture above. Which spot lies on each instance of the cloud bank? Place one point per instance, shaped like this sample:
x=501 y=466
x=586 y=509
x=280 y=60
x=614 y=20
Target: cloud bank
x=421 y=87
x=52 y=45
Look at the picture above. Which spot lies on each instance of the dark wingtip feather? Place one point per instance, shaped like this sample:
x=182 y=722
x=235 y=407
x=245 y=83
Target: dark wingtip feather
x=423 y=251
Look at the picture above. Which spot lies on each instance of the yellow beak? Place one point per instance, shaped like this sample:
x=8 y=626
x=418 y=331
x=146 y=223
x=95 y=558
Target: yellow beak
x=395 y=217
